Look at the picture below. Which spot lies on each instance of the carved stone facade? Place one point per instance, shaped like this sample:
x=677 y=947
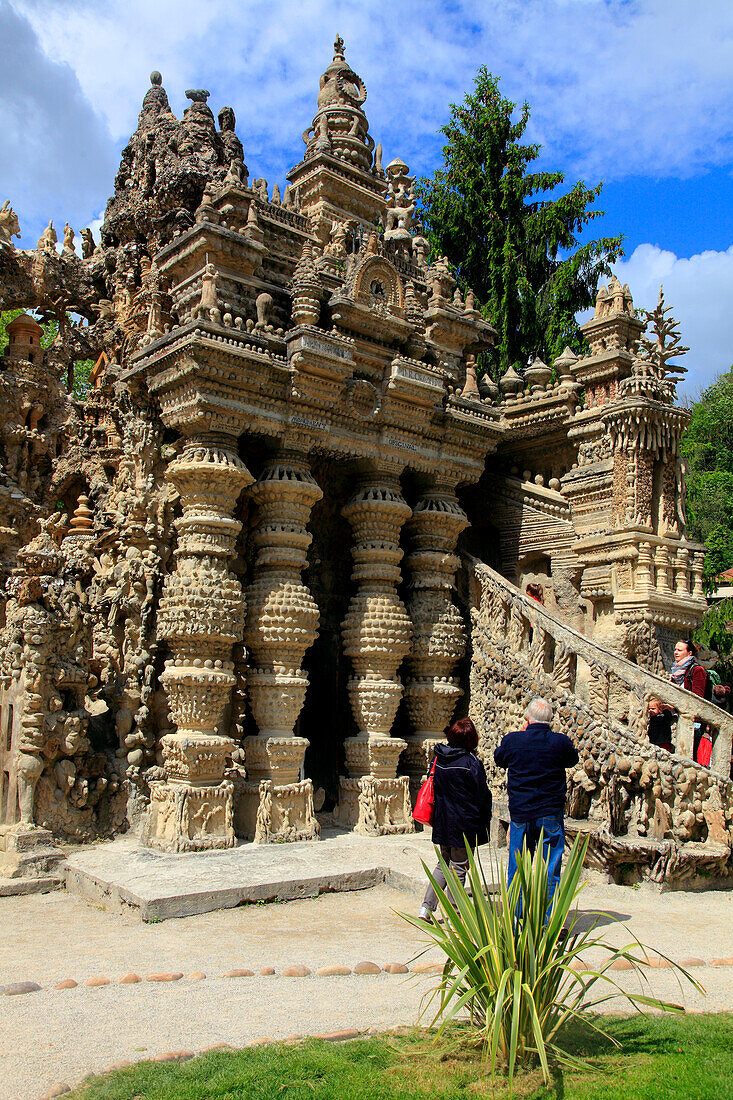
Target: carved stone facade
x=231 y=570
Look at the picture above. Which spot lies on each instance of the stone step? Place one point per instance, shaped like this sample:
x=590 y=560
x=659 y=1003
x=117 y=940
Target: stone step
x=37 y=863
x=158 y=885
x=35 y=884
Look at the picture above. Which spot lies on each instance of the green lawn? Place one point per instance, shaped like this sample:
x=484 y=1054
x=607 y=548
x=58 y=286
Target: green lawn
x=662 y=1058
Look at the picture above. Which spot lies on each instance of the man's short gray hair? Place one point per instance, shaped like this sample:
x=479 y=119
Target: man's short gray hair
x=539 y=710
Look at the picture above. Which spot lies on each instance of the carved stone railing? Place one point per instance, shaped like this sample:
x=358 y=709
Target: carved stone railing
x=648 y=813
x=617 y=689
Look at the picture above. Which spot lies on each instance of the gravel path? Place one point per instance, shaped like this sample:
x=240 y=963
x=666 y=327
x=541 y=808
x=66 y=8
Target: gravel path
x=60 y=1035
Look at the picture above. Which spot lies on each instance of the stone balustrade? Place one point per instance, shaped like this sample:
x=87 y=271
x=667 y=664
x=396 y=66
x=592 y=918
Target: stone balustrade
x=660 y=814
x=668 y=568
x=617 y=688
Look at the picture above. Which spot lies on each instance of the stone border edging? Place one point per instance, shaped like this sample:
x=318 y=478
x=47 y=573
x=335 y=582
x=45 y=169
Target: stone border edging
x=365 y=968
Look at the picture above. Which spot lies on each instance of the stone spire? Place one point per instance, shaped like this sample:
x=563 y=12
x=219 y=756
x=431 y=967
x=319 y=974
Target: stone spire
x=340 y=126
x=154 y=103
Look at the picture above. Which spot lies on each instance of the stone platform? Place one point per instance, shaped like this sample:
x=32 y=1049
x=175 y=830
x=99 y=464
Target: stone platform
x=122 y=875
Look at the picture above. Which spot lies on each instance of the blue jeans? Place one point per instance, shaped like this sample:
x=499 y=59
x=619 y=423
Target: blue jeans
x=553 y=843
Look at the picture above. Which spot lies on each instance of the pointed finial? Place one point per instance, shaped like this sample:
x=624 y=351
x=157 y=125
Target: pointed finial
x=338 y=47
x=155 y=77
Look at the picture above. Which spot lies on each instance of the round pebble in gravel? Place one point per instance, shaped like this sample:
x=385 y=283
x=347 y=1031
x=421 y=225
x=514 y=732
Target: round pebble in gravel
x=95 y=982
x=267 y=972
x=176 y=977
x=693 y=962
x=129 y=979
x=395 y=968
x=15 y=988
x=239 y=974
x=197 y=976
x=296 y=972
x=332 y=971
x=367 y=968
x=68 y=983
x=622 y=964
x=59 y=1089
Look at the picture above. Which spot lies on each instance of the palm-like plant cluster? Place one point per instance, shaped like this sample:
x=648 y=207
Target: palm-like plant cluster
x=516 y=962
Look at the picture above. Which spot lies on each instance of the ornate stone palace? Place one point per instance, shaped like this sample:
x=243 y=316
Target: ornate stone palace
x=249 y=577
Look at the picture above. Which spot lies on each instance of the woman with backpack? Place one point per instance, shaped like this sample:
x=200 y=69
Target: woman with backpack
x=689 y=674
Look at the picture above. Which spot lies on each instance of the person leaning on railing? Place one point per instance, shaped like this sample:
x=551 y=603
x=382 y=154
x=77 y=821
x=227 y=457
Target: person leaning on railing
x=662 y=716
x=688 y=673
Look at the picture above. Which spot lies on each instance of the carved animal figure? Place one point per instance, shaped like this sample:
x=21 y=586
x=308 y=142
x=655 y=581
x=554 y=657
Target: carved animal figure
x=9 y=225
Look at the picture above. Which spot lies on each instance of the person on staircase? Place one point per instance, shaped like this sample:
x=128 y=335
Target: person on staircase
x=536 y=758
x=688 y=673
x=461 y=806
x=662 y=717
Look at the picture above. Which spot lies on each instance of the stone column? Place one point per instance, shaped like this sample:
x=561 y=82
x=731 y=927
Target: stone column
x=698 y=562
x=201 y=616
x=645 y=567
x=661 y=561
x=376 y=636
x=439 y=641
x=682 y=571
x=281 y=624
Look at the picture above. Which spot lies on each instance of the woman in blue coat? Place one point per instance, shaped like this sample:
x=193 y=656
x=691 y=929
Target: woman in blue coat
x=461 y=807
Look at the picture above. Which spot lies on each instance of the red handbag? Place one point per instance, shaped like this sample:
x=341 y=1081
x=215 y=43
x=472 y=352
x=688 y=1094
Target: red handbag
x=704 y=753
x=423 y=811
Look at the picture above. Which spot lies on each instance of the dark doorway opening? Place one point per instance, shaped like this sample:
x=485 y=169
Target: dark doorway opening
x=326 y=718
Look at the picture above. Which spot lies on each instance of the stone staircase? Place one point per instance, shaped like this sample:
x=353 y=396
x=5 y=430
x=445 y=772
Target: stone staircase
x=650 y=814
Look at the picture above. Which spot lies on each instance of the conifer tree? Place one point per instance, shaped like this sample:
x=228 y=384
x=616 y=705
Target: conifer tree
x=519 y=252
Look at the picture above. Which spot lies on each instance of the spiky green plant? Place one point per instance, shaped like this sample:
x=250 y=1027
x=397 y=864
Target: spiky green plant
x=517 y=970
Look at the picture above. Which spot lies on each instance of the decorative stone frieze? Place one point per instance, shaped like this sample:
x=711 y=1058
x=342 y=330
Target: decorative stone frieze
x=201 y=616
x=281 y=624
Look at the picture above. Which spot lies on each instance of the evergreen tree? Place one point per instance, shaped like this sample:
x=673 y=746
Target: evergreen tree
x=707 y=448
x=517 y=251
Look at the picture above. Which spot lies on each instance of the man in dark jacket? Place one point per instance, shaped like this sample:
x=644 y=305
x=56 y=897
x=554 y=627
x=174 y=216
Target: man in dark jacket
x=537 y=758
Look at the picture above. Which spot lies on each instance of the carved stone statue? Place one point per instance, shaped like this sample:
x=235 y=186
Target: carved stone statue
x=87 y=244
x=400 y=202
x=47 y=242
x=208 y=306
x=9 y=225
x=337 y=244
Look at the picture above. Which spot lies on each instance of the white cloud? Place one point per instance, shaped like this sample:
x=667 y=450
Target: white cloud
x=616 y=88
x=643 y=87
x=56 y=155
x=701 y=291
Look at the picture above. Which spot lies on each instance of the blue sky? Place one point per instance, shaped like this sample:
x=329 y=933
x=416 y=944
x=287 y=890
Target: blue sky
x=638 y=93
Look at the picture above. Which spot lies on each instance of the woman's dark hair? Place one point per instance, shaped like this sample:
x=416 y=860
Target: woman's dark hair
x=462 y=735
x=691 y=647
